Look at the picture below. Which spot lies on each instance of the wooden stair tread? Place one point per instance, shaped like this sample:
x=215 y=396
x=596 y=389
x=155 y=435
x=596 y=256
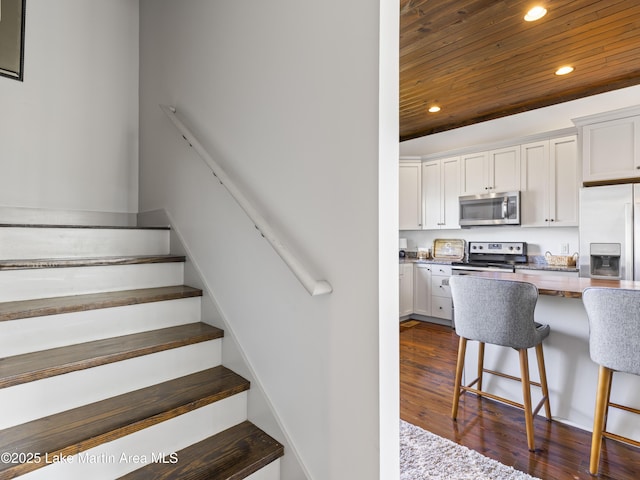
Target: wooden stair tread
x=232 y=454
x=78 y=303
x=21 y=264
x=76 y=430
x=57 y=361
x=95 y=227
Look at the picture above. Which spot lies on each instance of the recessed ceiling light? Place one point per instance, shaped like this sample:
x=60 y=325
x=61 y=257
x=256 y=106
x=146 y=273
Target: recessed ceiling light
x=564 y=70
x=536 y=13
x=434 y=109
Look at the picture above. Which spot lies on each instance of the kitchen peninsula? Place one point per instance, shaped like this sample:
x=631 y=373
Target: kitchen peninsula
x=572 y=376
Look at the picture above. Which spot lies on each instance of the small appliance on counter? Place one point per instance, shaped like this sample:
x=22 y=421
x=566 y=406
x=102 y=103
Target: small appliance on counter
x=491 y=256
x=402 y=244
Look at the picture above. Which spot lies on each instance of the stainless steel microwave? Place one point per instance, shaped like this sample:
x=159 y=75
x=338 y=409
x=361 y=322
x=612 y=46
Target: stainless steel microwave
x=490 y=209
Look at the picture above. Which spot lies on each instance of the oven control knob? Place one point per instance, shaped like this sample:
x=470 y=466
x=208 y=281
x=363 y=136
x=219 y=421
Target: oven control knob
x=511 y=247
x=518 y=248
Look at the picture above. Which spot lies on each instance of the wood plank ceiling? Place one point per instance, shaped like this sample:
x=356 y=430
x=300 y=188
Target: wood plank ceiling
x=479 y=60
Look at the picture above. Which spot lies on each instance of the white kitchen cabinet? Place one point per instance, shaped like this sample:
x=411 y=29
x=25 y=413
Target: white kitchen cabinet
x=410 y=186
x=491 y=171
x=549 y=196
x=440 y=191
x=441 y=303
x=474 y=172
x=422 y=288
x=611 y=150
x=406 y=289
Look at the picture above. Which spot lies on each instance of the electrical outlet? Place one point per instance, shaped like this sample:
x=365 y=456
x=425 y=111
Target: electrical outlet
x=564 y=249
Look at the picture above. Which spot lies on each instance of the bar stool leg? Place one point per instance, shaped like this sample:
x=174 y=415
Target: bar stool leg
x=462 y=348
x=480 y=364
x=526 y=394
x=606 y=410
x=602 y=405
x=543 y=380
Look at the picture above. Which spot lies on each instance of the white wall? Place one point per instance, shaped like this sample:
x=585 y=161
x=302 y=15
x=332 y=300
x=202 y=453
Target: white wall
x=541 y=120
x=539 y=240
x=285 y=96
x=69 y=131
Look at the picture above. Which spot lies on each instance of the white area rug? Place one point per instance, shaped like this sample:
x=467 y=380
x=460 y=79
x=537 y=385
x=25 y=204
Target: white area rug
x=424 y=455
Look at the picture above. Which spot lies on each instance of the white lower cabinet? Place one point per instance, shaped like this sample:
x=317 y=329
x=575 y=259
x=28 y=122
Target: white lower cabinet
x=406 y=289
x=422 y=288
x=441 y=303
x=431 y=291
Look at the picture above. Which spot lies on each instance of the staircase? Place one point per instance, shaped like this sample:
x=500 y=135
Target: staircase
x=106 y=369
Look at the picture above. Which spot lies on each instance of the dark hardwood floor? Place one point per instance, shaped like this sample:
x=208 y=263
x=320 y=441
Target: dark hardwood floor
x=427 y=366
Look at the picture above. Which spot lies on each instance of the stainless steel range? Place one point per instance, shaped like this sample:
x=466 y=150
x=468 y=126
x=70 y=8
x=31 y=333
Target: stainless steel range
x=491 y=256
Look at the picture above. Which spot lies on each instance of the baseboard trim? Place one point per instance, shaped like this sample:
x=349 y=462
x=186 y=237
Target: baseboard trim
x=44 y=216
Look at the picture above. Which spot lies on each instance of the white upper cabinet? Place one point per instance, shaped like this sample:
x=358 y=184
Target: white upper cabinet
x=410 y=185
x=431 y=194
x=564 y=182
x=474 y=173
x=440 y=189
x=534 y=199
x=450 y=192
x=610 y=146
x=550 y=183
x=492 y=171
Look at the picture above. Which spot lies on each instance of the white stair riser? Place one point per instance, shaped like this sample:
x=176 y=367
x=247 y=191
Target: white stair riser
x=269 y=472
x=42 y=333
x=56 y=282
x=28 y=243
x=40 y=398
x=163 y=438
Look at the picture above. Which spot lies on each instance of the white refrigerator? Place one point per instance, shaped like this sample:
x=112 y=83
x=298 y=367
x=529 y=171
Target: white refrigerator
x=610 y=232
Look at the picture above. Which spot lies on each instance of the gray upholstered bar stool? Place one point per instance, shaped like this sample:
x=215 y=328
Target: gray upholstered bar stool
x=499 y=312
x=614 y=337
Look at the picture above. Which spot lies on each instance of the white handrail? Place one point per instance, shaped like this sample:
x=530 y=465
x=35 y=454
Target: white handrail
x=314 y=287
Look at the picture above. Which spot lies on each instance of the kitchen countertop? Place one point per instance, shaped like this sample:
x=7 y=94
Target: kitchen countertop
x=520 y=266
x=570 y=287
x=435 y=261
x=545 y=267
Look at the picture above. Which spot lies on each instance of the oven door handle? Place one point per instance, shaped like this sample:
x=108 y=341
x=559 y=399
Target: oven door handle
x=505 y=207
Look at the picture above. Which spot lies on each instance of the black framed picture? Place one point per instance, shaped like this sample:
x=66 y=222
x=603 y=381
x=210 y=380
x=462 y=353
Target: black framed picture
x=12 y=15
